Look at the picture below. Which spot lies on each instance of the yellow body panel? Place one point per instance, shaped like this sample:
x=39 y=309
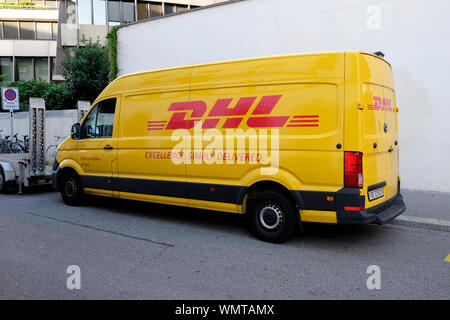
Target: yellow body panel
x=318 y=216
x=369 y=80
x=318 y=96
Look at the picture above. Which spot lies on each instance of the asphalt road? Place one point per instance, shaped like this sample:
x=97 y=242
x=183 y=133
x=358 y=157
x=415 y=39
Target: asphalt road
x=131 y=250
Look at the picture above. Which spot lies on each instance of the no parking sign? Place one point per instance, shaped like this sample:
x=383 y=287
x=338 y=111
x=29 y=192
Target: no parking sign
x=10 y=99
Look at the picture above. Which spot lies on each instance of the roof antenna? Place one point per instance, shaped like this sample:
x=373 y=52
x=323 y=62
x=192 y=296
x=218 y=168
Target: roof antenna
x=379 y=53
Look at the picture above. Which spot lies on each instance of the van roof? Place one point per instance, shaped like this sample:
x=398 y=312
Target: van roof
x=115 y=85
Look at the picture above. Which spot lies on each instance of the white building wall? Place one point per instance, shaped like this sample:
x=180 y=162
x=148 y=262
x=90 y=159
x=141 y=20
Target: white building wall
x=27 y=48
x=31 y=14
x=412 y=33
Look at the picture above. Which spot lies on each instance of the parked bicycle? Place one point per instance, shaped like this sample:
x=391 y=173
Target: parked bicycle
x=14 y=144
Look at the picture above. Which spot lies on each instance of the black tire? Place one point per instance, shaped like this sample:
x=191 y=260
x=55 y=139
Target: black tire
x=71 y=189
x=2 y=180
x=272 y=217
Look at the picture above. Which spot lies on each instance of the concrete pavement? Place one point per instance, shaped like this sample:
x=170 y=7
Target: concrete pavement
x=427 y=204
x=132 y=250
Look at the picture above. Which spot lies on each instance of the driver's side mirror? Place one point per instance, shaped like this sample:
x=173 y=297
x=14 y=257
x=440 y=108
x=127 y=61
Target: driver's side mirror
x=75 y=131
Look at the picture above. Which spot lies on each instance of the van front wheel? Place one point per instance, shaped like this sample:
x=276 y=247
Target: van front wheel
x=272 y=217
x=71 y=189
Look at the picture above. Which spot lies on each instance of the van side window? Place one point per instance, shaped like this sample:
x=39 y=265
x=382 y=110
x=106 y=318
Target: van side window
x=100 y=121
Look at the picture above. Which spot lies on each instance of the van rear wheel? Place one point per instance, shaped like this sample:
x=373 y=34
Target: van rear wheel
x=71 y=189
x=272 y=217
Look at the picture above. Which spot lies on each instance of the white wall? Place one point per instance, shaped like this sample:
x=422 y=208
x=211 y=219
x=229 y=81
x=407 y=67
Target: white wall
x=27 y=48
x=57 y=122
x=34 y=14
x=414 y=35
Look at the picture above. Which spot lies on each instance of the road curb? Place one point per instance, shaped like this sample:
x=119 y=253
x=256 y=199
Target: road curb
x=418 y=222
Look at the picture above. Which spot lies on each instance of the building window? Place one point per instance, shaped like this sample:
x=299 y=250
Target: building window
x=99 y=12
x=44 y=30
x=142 y=11
x=84 y=12
x=180 y=7
x=6 y=69
x=127 y=12
x=26 y=30
x=51 y=3
x=52 y=65
x=41 y=69
x=29 y=30
x=169 y=8
x=54 y=30
x=10 y=30
x=25 y=69
x=114 y=11
x=155 y=10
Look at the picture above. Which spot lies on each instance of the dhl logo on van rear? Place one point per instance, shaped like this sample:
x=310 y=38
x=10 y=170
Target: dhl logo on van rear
x=380 y=104
x=233 y=117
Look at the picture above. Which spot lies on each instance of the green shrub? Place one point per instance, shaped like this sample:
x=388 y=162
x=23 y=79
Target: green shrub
x=56 y=97
x=112 y=50
x=86 y=71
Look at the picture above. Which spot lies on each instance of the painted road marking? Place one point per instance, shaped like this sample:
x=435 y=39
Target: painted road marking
x=448 y=258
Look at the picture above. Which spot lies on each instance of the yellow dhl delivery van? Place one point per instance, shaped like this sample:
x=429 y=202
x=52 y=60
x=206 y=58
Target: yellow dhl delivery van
x=285 y=140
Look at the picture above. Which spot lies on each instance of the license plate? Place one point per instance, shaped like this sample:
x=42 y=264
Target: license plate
x=375 y=194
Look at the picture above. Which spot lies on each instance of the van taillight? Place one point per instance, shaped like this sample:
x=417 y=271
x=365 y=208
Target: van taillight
x=353 y=174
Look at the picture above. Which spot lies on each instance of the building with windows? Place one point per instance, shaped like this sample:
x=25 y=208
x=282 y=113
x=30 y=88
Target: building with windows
x=32 y=36
x=28 y=37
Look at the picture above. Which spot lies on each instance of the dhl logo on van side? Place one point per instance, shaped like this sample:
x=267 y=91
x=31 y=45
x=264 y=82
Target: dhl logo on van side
x=233 y=116
x=380 y=104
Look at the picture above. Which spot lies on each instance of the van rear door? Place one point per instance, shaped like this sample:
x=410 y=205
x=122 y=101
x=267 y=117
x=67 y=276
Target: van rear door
x=379 y=128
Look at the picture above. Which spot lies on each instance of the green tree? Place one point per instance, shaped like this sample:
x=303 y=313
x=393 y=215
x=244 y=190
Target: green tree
x=86 y=70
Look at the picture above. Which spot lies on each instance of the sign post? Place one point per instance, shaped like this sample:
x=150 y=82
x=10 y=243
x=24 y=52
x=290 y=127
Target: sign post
x=11 y=116
x=10 y=102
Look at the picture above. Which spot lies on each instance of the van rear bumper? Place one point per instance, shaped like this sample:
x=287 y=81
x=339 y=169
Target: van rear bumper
x=380 y=214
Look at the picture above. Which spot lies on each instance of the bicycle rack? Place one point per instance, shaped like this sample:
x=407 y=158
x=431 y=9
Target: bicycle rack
x=37 y=137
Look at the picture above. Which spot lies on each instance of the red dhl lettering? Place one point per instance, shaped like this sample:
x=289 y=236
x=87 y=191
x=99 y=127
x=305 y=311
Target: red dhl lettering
x=380 y=104
x=187 y=114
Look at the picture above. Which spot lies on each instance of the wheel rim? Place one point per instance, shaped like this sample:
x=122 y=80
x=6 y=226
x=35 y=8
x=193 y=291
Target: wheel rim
x=271 y=216
x=70 y=188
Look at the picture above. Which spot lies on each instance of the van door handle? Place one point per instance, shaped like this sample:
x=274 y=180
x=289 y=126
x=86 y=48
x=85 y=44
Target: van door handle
x=108 y=147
